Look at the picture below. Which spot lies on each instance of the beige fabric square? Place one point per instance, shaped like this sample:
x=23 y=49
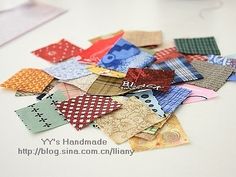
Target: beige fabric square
x=214 y=76
x=126 y=122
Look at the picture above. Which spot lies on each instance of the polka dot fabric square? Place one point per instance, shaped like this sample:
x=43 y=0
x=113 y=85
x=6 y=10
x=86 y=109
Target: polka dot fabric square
x=58 y=52
x=82 y=110
x=28 y=80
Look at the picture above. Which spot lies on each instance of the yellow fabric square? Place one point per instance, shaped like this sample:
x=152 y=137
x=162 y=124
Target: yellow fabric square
x=28 y=80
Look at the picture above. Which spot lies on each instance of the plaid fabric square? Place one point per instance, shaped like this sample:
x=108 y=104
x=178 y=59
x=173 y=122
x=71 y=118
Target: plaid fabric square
x=170 y=100
x=184 y=71
x=202 y=46
x=107 y=86
x=214 y=75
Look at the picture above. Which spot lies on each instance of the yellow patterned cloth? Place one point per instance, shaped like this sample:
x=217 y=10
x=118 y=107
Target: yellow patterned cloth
x=28 y=80
x=105 y=72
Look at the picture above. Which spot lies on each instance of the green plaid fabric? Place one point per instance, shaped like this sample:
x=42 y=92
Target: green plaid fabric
x=202 y=46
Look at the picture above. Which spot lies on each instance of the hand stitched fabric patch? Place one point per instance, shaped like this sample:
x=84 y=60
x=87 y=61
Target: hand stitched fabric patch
x=83 y=83
x=214 y=75
x=198 y=93
x=58 y=52
x=143 y=38
x=70 y=69
x=225 y=61
x=171 y=99
x=137 y=78
x=43 y=115
x=124 y=123
x=107 y=86
x=124 y=55
x=172 y=134
x=28 y=80
x=184 y=71
x=82 y=110
x=202 y=46
x=105 y=72
x=99 y=49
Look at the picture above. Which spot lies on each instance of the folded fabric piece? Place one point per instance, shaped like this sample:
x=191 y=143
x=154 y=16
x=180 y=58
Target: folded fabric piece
x=45 y=91
x=124 y=55
x=107 y=86
x=225 y=61
x=184 y=71
x=105 y=72
x=137 y=78
x=170 y=53
x=171 y=100
x=148 y=98
x=28 y=80
x=43 y=115
x=70 y=69
x=172 y=134
x=99 y=49
x=214 y=75
x=124 y=123
x=202 y=46
x=82 y=110
x=59 y=51
x=198 y=93
x=84 y=82
x=69 y=91
x=106 y=36
x=143 y=38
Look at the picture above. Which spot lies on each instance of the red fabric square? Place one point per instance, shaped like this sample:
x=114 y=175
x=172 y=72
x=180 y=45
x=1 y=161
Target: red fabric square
x=137 y=78
x=58 y=52
x=82 y=110
x=99 y=49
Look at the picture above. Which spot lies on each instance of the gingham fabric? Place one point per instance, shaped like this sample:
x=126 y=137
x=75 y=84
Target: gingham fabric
x=184 y=71
x=170 y=100
x=202 y=46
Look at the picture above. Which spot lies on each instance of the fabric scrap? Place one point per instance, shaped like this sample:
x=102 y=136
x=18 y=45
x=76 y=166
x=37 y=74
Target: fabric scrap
x=105 y=72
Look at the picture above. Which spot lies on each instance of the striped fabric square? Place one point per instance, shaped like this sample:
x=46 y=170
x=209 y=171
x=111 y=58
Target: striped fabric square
x=169 y=101
x=184 y=71
x=202 y=46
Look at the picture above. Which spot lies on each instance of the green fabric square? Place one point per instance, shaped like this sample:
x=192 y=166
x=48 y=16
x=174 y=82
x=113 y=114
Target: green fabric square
x=43 y=115
x=202 y=46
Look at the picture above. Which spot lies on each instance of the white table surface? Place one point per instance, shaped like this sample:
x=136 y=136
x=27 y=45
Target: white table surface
x=210 y=125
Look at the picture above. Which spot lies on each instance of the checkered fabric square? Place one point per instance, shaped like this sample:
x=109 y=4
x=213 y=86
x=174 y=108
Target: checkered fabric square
x=202 y=46
x=184 y=71
x=170 y=100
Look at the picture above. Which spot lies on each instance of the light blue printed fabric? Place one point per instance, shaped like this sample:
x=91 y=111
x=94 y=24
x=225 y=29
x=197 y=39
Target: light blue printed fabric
x=124 y=55
x=171 y=99
x=225 y=61
x=69 y=69
x=147 y=98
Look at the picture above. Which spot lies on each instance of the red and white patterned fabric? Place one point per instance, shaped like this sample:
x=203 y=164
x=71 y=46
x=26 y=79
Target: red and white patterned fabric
x=82 y=110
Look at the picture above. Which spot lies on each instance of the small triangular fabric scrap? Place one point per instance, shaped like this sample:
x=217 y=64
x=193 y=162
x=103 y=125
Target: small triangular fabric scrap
x=201 y=46
x=137 y=78
x=59 y=51
x=70 y=69
x=42 y=115
x=82 y=110
x=28 y=80
x=99 y=49
x=198 y=93
x=83 y=83
x=184 y=71
x=124 y=55
x=170 y=53
x=225 y=61
x=214 y=75
x=144 y=38
x=170 y=100
x=124 y=123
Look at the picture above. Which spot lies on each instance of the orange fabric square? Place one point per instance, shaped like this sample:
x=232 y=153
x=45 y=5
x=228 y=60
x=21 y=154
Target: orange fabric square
x=28 y=80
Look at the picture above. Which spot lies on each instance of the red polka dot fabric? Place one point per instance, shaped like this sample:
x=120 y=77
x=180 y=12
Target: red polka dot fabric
x=82 y=110
x=58 y=52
